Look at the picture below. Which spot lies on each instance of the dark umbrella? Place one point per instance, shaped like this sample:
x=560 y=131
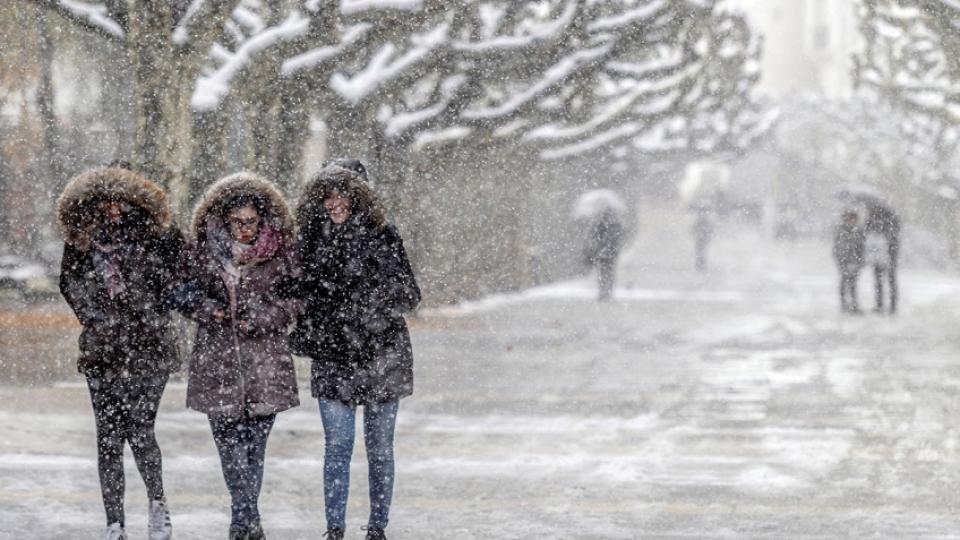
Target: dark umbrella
x=864 y=194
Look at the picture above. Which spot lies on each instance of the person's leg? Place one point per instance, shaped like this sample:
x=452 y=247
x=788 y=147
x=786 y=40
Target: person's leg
x=892 y=276
x=228 y=436
x=339 y=421
x=604 y=278
x=143 y=400
x=878 y=286
x=256 y=433
x=843 y=292
x=379 y=421
x=110 y=423
x=854 y=302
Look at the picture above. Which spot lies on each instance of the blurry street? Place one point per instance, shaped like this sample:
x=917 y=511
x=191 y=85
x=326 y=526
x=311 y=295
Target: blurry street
x=737 y=403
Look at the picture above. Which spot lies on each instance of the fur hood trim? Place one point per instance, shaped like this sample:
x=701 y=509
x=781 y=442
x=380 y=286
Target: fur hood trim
x=243 y=183
x=76 y=215
x=366 y=203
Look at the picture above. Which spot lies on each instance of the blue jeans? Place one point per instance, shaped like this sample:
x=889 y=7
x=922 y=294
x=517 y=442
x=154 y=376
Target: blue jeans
x=242 y=445
x=339 y=420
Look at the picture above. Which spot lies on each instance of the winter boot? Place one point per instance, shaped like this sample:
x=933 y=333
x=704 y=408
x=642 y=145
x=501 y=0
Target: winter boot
x=333 y=534
x=237 y=533
x=115 y=532
x=374 y=533
x=255 y=532
x=159 y=525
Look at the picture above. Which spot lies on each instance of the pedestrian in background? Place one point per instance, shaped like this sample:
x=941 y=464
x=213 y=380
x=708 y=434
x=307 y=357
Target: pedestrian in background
x=848 y=252
x=356 y=283
x=883 y=225
x=603 y=248
x=120 y=257
x=241 y=372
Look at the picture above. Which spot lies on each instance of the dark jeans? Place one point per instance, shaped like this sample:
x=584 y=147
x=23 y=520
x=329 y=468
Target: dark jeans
x=888 y=274
x=242 y=445
x=339 y=421
x=125 y=409
x=848 y=290
x=700 y=256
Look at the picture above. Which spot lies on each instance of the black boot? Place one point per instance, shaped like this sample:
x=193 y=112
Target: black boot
x=333 y=534
x=374 y=533
x=255 y=532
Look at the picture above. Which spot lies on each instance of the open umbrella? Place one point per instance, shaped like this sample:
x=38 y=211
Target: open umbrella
x=595 y=202
x=858 y=193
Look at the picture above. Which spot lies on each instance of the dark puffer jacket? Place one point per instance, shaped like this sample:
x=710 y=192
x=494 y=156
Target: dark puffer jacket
x=128 y=332
x=849 y=242
x=233 y=370
x=356 y=283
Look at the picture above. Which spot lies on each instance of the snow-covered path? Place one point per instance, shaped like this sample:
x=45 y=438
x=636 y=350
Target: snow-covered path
x=739 y=404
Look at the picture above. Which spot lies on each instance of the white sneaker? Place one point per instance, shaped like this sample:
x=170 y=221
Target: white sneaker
x=159 y=527
x=115 y=532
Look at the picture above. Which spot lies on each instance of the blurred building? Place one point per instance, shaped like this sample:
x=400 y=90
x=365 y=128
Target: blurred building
x=808 y=44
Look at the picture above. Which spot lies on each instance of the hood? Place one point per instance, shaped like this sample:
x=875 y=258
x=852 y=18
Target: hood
x=76 y=214
x=276 y=212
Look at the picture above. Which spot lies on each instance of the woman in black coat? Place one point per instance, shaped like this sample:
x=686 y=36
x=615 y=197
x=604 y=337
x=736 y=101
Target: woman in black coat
x=120 y=255
x=356 y=283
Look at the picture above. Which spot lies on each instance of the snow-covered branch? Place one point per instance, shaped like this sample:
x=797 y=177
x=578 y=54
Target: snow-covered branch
x=213 y=87
x=89 y=15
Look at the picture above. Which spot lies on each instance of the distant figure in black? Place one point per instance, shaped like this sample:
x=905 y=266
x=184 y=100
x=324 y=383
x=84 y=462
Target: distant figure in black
x=848 y=251
x=702 y=233
x=606 y=239
x=882 y=228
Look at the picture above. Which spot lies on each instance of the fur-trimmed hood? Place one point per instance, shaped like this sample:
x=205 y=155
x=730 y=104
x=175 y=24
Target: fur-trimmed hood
x=276 y=210
x=366 y=204
x=76 y=214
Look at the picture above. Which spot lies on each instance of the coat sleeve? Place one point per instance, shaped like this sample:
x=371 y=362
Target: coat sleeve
x=394 y=286
x=75 y=287
x=270 y=312
x=186 y=293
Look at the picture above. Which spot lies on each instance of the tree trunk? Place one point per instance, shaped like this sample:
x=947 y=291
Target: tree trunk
x=293 y=128
x=162 y=85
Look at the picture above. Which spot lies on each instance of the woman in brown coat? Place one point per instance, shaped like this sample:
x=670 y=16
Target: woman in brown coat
x=119 y=259
x=241 y=372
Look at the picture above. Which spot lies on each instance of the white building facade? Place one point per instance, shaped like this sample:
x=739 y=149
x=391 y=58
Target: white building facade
x=808 y=44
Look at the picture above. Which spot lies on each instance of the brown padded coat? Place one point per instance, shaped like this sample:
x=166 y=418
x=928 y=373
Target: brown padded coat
x=234 y=372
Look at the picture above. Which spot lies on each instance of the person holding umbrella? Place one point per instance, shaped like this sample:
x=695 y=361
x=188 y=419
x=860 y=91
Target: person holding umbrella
x=883 y=224
x=602 y=209
x=848 y=246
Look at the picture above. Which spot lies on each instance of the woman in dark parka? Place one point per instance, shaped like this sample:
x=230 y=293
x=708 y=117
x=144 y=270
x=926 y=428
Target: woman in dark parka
x=356 y=284
x=119 y=260
x=241 y=372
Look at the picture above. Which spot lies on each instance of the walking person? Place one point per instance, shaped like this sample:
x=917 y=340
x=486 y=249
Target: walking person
x=356 y=283
x=848 y=252
x=883 y=222
x=606 y=239
x=120 y=256
x=241 y=372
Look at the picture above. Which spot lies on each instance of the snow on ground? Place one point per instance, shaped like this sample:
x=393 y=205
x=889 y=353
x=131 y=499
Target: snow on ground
x=734 y=404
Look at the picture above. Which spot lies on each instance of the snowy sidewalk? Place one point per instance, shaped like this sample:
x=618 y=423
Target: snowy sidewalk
x=738 y=404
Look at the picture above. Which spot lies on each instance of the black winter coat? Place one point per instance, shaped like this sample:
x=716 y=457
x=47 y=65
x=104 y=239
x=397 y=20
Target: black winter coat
x=848 y=247
x=131 y=332
x=356 y=284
